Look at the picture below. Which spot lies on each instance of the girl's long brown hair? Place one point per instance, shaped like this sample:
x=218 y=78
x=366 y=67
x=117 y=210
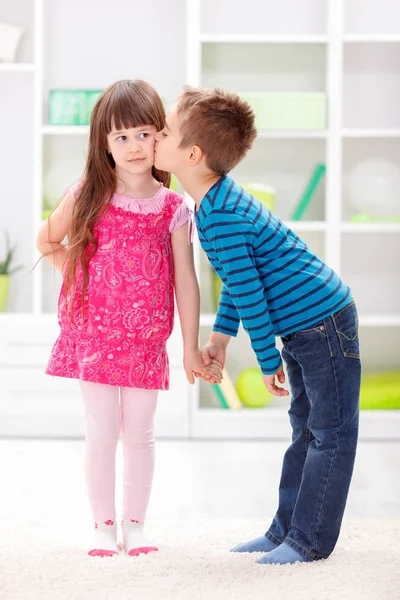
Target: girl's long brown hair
x=124 y=104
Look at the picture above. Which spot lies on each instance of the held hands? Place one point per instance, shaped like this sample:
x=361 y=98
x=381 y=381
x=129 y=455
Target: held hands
x=209 y=363
x=273 y=389
x=213 y=356
x=194 y=366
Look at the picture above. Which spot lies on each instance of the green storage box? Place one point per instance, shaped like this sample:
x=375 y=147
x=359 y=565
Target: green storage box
x=287 y=110
x=71 y=107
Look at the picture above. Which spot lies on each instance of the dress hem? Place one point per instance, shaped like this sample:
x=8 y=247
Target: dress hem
x=161 y=389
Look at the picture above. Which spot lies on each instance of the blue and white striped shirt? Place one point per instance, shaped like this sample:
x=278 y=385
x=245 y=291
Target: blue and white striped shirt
x=272 y=282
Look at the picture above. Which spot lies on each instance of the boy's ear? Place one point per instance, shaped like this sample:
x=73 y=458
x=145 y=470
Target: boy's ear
x=195 y=156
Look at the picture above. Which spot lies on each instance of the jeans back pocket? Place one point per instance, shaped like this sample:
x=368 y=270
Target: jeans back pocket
x=346 y=326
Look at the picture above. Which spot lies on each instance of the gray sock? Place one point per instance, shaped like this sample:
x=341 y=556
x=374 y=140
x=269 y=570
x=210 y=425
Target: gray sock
x=260 y=544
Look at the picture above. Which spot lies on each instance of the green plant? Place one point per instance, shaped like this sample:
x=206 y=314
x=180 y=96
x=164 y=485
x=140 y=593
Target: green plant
x=5 y=264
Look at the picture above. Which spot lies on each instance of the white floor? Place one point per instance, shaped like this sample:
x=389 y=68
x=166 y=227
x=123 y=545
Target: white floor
x=193 y=479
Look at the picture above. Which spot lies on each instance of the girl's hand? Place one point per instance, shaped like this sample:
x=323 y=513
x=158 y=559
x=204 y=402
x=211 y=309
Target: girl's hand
x=193 y=365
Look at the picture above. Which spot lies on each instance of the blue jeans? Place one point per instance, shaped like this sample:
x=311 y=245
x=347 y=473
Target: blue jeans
x=324 y=369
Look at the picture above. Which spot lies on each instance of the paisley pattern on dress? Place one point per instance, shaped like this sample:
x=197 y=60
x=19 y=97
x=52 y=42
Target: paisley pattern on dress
x=120 y=339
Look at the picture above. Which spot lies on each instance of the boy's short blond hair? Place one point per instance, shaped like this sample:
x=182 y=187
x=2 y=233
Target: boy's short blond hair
x=219 y=122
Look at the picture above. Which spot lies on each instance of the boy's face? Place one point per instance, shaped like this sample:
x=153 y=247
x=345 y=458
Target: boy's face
x=168 y=156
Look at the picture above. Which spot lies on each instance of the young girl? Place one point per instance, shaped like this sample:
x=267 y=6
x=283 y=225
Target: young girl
x=127 y=251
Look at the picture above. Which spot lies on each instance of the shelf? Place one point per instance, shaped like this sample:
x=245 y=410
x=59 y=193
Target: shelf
x=207 y=320
x=262 y=423
x=212 y=38
x=84 y=130
x=370 y=227
x=379 y=320
x=371 y=133
x=290 y=135
x=17 y=67
x=347 y=133
x=273 y=423
x=305 y=226
x=65 y=129
x=375 y=38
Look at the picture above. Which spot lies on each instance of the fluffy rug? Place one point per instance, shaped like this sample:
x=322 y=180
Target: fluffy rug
x=48 y=561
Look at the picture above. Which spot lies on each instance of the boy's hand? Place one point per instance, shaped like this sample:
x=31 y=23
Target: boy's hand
x=193 y=365
x=214 y=353
x=269 y=381
x=212 y=373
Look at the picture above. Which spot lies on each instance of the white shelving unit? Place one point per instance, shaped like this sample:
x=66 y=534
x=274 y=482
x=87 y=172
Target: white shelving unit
x=65 y=130
x=311 y=45
x=368 y=38
x=17 y=68
x=237 y=38
x=371 y=133
x=350 y=50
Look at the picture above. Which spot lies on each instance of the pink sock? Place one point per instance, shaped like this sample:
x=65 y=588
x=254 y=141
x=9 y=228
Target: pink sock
x=135 y=541
x=104 y=541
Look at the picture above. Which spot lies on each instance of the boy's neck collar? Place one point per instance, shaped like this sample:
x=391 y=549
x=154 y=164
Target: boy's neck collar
x=204 y=190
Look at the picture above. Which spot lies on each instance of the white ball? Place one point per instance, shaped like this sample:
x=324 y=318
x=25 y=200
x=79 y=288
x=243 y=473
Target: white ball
x=59 y=177
x=373 y=187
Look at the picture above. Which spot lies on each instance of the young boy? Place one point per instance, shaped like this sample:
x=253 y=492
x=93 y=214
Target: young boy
x=276 y=286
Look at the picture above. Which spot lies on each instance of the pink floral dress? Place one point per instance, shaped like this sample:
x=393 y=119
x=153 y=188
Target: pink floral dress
x=120 y=339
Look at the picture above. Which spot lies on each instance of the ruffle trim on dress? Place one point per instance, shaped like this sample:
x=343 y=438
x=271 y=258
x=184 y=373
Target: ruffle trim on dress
x=144 y=206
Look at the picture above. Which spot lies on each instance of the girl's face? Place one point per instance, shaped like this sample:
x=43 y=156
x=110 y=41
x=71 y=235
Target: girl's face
x=132 y=149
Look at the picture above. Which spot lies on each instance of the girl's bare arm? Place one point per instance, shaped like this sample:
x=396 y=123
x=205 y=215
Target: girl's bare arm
x=186 y=287
x=188 y=302
x=53 y=232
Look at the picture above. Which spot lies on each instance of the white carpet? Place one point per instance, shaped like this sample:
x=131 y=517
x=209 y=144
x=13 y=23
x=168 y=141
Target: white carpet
x=44 y=561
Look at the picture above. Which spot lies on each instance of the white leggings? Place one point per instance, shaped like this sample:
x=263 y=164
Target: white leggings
x=110 y=414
